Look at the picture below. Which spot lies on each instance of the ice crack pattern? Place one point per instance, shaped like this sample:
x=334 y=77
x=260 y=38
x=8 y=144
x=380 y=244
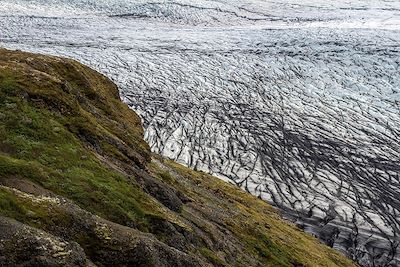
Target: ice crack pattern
x=296 y=103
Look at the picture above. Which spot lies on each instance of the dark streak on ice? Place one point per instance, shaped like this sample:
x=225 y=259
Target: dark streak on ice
x=303 y=115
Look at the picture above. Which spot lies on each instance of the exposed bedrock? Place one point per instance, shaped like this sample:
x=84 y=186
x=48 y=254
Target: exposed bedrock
x=296 y=103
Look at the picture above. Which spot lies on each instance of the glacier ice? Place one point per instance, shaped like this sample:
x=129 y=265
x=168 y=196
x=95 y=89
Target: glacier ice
x=297 y=103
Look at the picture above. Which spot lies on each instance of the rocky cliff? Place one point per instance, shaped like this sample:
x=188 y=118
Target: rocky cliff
x=79 y=186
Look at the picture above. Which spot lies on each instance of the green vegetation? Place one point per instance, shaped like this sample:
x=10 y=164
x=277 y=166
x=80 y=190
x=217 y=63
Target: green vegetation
x=212 y=257
x=41 y=144
x=66 y=136
x=264 y=234
x=10 y=207
x=36 y=213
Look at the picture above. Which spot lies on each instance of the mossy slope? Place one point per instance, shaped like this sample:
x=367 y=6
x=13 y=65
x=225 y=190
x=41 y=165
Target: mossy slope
x=74 y=167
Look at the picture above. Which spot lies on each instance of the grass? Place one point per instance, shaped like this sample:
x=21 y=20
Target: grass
x=64 y=129
x=275 y=242
x=212 y=257
x=41 y=143
x=37 y=213
x=10 y=207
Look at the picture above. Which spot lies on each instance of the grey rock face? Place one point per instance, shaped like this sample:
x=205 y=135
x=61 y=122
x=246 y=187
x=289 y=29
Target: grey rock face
x=113 y=244
x=21 y=245
x=298 y=104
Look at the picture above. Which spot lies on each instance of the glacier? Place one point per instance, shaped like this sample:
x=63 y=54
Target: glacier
x=299 y=104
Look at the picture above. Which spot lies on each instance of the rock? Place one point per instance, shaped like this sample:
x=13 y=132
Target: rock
x=22 y=245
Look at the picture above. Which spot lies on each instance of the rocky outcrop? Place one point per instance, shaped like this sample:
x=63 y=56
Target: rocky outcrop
x=79 y=186
x=107 y=243
x=21 y=245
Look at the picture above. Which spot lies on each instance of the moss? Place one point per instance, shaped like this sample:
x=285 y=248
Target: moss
x=43 y=138
x=268 y=250
x=10 y=207
x=46 y=213
x=166 y=176
x=64 y=129
x=37 y=212
x=212 y=257
x=8 y=87
x=264 y=234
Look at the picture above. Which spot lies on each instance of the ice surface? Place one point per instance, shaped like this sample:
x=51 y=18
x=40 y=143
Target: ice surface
x=296 y=103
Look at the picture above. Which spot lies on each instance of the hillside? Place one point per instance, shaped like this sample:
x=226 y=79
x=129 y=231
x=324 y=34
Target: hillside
x=79 y=186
